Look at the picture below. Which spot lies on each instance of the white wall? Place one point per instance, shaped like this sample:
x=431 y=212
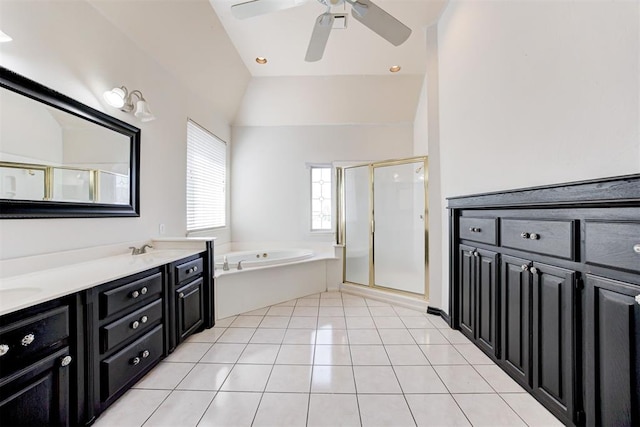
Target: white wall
x=70 y=47
x=270 y=179
x=313 y=100
x=536 y=93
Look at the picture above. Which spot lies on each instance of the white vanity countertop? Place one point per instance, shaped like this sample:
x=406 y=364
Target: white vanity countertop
x=25 y=290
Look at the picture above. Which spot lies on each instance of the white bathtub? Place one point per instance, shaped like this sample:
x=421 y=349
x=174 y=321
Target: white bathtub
x=268 y=277
x=261 y=258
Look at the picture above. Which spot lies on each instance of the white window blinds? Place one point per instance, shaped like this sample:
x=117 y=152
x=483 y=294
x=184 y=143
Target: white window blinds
x=321 y=198
x=206 y=179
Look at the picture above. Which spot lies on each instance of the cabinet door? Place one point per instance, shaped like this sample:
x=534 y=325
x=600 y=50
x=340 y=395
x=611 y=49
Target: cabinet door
x=189 y=309
x=37 y=395
x=515 y=293
x=612 y=352
x=553 y=354
x=467 y=291
x=486 y=301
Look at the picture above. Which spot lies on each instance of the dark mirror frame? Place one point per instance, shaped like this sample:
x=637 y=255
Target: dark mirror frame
x=15 y=209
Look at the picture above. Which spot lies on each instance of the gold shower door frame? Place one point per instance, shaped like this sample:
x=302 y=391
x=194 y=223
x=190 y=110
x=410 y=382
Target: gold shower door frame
x=342 y=231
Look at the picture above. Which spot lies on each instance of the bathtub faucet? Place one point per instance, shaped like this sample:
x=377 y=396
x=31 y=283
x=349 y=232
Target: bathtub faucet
x=225 y=264
x=240 y=264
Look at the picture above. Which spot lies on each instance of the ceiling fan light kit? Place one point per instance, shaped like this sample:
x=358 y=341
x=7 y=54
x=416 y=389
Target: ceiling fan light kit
x=368 y=13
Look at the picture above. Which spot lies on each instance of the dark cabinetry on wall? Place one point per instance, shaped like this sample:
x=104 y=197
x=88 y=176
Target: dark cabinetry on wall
x=554 y=271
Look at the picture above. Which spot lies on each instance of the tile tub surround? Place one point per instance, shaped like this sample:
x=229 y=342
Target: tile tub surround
x=56 y=275
x=309 y=369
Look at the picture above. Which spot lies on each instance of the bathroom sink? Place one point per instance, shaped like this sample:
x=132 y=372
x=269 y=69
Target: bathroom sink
x=16 y=293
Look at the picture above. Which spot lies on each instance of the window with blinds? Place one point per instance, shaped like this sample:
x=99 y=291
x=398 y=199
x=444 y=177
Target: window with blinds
x=206 y=179
x=321 y=198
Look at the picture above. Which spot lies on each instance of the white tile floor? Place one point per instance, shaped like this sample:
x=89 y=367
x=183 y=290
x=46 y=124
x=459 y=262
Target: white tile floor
x=328 y=359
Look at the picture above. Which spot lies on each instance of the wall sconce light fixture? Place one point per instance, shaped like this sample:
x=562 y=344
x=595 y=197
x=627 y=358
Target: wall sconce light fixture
x=120 y=97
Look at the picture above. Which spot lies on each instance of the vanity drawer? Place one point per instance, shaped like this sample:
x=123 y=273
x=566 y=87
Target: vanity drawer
x=613 y=244
x=131 y=362
x=553 y=238
x=129 y=326
x=484 y=230
x=31 y=337
x=188 y=270
x=132 y=293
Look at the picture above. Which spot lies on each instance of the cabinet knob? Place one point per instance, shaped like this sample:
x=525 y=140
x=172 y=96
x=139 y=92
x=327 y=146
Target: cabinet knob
x=476 y=253
x=144 y=290
x=195 y=268
x=472 y=229
x=144 y=319
x=135 y=360
x=636 y=248
x=533 y=270
x=28 y=339
x=135 y=294
x=638 y=299
x=145 y=354
x=66 y=361
x=4 y=349
x=534 y=236
x=181 y=295
x=524 y=235
x=524 y=267
x=135 y=325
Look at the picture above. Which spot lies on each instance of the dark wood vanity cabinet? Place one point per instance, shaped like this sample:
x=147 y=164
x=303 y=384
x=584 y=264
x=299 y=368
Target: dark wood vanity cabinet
x=129 y=334
x=556 y=272
x=188 y=289
x=38 y=366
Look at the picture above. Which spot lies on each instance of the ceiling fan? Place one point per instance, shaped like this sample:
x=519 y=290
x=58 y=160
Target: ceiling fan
x=365 y=11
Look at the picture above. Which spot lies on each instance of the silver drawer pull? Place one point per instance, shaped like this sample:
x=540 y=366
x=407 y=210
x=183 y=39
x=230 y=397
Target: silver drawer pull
x=476 y=253
x=524 y=267
x=28 y=339
x=135 y=325
x=524 y=235
x=135 y=294
x=181 y=295
x=472 y=229
x=144 y=290
x=636 y=248
x=144 y=319
x=638 y=299
x=534 y=236
x=4 y=349
x=66 y=361
x=533 y=270
x=145 y=354
x=135 y=360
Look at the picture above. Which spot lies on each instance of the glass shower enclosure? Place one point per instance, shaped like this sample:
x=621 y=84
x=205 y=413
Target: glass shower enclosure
x=384 y=220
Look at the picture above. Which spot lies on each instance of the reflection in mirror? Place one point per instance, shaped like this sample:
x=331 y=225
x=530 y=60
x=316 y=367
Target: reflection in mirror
x=60 y=158
x=73 y=153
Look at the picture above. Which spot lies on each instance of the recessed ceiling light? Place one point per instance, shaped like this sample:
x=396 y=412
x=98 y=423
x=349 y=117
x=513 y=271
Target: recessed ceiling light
x=395 y=68
x=261 y=60
x=4 y=37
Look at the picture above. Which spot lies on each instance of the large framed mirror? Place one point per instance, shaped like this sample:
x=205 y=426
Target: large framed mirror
x=60 y=158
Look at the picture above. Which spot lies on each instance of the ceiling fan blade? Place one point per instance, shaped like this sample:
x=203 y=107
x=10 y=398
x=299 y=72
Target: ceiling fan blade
x=261 y=7
x=380 y=22
x=320 y=37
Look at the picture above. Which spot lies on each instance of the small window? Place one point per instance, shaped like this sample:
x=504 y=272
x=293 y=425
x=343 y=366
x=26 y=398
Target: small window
x=206 y=179
x=321 y=198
